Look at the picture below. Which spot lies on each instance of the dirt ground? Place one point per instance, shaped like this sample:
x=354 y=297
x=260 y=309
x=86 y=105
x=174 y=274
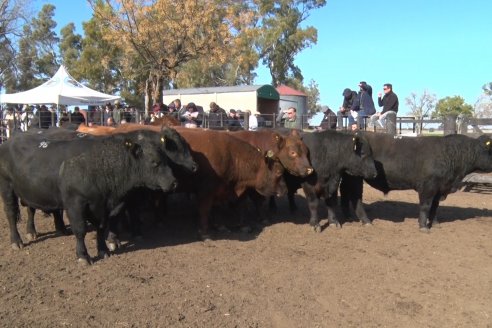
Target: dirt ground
x=284 y=275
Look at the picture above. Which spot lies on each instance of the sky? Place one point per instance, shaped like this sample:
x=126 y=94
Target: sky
x=442 y=47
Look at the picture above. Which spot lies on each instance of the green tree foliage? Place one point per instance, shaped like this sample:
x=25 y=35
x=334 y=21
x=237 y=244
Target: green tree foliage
x=70 y=46
x=281 y=37
x=12 y=14
x=46 y=42
x=100 y=61
x=453 y=106
x=25 y=62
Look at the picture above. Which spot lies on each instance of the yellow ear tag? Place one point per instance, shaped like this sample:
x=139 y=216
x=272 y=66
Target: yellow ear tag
x=487 y=143
x=163 y=139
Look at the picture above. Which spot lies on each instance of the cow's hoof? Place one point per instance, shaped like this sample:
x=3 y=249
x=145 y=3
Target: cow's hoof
x=63 y=232
x=84 y=261
x=317 y=228
x=336 y=225
x=103 y=254
x=31 y=236
x=367 y=224
x=424 y=229
x=114 y=245
x=17 y=246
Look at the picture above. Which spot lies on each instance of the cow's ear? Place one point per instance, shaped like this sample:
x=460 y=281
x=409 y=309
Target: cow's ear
x=134 y=148
x=279 y=140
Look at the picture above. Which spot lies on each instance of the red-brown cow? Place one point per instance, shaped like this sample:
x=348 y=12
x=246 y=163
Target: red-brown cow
x=291 y=151
x=227 y=168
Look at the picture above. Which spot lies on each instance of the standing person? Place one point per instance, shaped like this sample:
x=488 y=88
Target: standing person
x=289 y=117
x=349 y=97
x=44 y=117
x=364 y=106
x=77 y=117
x=389 y=102
x=216 y=117
x=252 y=121
x=191 y=117
x=107 y=113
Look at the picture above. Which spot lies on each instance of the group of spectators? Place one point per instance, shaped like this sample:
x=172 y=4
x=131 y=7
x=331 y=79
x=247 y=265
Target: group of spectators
x=359 y=106
x=358 y=109
x=193 y=116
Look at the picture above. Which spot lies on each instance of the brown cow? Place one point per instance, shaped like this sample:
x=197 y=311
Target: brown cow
x=166 y=120
x=227 y=168
x=291 y=151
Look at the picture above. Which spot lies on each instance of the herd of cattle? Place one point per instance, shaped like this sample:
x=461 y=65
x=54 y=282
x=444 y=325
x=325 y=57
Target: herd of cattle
x=96 y=173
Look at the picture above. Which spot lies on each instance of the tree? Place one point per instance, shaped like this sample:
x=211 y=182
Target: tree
x=100 y=61
x=453 y=106
x=421 y=106
x=70 y=46
x=165 y=34
x=281 y=37
x=46 y=42
x=239 y=58
x=25 y=62
x=13 y=13
x=483 y=106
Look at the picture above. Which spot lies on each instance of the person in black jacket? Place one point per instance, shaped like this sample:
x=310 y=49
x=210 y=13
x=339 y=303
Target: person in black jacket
x=349 y=97
x=364 y=105
x=77 y=117
x=389 y=102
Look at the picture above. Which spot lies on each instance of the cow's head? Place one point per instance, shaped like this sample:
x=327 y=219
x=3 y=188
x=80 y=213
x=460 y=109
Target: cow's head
x=362 y=162
x=484 y=154
x=177 y=149
x=270 y=179
x=151 y=164
x=293 y=153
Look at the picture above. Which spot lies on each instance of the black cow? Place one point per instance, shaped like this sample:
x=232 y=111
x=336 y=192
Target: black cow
x=88 y=176
x=331 y=153
x=432 y=166
x=175 y=147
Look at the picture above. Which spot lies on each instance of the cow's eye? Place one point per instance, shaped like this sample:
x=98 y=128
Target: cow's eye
x=293 y=153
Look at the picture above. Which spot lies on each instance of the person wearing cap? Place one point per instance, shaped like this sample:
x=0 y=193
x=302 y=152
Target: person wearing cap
x=329 y=119
x=191 y=118
x=389 y=102
x=364 y=105
x=349 y=96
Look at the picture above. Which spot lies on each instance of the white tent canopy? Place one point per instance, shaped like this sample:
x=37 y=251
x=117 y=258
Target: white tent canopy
x=61 y=89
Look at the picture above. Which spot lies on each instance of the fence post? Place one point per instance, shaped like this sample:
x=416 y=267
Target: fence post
x=449 y=124
x=246 y=120
x=391 y=123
